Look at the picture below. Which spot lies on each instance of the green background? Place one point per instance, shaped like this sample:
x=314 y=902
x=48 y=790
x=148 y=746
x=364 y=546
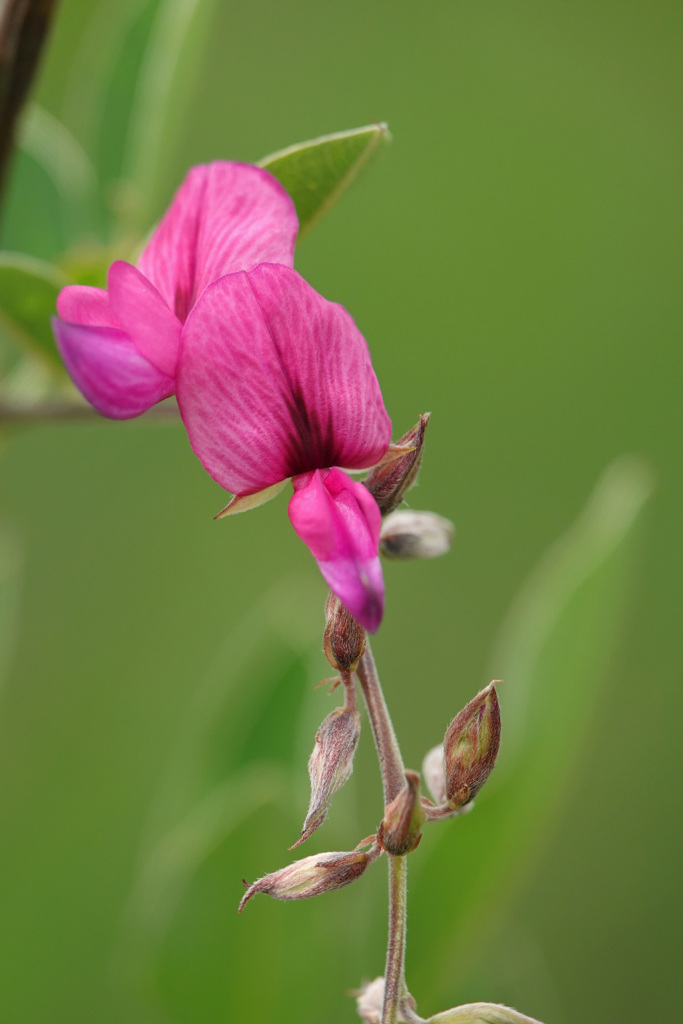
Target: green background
x=514 y=260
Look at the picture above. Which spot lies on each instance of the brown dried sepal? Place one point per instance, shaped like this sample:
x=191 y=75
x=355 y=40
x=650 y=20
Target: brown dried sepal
x=313 y=876
x=330 y=764
x=390 y=480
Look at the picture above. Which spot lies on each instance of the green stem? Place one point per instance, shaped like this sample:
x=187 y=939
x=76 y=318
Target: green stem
x=393 y=781
x=390 y=760
x=394 y=977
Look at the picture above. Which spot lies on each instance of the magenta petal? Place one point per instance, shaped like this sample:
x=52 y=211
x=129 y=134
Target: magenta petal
x=274 y=381
x=145 y=317
x=81 y=304
x=107 y=367
x=225 y=217
x=340 y=522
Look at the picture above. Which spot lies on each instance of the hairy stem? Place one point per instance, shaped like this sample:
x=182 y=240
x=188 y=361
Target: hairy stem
x=390 y=760
x=394 y=981
x=393 y=781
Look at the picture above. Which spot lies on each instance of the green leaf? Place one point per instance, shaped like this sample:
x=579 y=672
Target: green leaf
x=318 y=172
x=234 y=756
x=130 y=82
x=44 y=138
x=164 y=86
x=28 y=296
x=553 y=652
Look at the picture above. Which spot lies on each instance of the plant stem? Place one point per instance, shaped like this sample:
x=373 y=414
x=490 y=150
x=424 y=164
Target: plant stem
x=393 y=781
x=23 y=28
x=390 y=760
x=394 y=980
x=66 y=410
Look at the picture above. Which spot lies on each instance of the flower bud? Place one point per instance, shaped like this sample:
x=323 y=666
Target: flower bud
x=408 y=534
x=344 y=638
x=471 y=747
x=481 y=1013
x=313 y=876
x=401 y=828
x=391 y=478
x=434 y=771
x=330 y=765
x=369 y=1002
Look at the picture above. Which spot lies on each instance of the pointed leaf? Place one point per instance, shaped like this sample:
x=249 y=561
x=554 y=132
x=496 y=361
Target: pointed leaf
x=318 y=172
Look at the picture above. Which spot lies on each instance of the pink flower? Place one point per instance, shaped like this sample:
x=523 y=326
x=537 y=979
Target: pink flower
x=272 y=380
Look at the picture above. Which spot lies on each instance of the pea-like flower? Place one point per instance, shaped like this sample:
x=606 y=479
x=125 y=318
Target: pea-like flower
x=272 y=380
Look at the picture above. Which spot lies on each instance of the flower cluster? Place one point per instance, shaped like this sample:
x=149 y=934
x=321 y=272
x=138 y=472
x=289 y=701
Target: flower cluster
x=272 y=380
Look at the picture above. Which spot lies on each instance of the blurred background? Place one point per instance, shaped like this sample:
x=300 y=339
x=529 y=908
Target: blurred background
x=513 y=258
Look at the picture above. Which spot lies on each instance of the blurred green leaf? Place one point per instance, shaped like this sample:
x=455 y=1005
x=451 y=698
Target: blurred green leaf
x=232 y=758
x=106 y=60
x=553 y=652
x=10 y=582
x=28 y=296
x=54 y=148
x=318 y=172
x=163 y=89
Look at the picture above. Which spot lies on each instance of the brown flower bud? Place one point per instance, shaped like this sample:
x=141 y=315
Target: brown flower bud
x=401 y=828
x=434 y=771
x=344 y=638
x=330 y=765
x=408 y=534
x=313 y=876
x=471 y=747
x=391 y=478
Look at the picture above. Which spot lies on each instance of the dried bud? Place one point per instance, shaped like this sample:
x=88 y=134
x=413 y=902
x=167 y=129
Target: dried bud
x=313 y=876
x=330 y=765
x=471 y=747
x=344 y=638
x=434 y=771
x=408 y=534
x=390 y=479
x=401 y=828
x=369 y=1002
x=481 y=1013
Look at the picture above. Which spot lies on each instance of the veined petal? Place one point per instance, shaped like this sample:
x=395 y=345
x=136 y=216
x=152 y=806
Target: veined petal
x=340 y=522
x=107 y=367
x=225 y=217
x=141 y=311
x=274 y=381
x=82 y=304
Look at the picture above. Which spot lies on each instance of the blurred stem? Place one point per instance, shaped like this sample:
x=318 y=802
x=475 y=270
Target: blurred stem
x=66 y=410
x=390 y=760
x=394 y=979
x=23 y=28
